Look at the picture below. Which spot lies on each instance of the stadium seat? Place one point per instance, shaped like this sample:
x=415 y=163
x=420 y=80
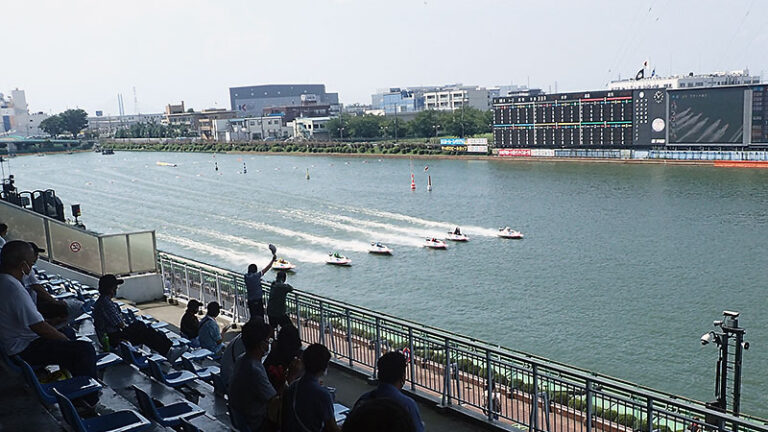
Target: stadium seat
x=73 y=388
x=168 y=415
x=173 y=379
x=205 y=373
x=132 y=356
x=105 y=360
x=186 y=426
x=122 y=421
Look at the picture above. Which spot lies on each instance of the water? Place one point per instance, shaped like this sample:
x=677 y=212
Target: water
x=623 y=267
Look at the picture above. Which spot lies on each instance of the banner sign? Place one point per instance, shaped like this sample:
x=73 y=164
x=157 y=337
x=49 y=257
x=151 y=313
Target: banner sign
x=477 y=141
x=452 y=141
x=477 y=149
x=454 y=148
x=515 y=152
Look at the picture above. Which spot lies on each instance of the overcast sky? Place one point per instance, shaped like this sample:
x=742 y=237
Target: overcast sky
x=72 y=53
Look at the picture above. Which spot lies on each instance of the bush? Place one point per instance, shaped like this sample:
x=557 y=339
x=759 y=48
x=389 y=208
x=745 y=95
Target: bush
x=627 y=420
x=561 y=397
x=521 y=385
x=578 y=404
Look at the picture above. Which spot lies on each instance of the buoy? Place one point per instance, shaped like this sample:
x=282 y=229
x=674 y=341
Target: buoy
x=307 y=173
x=216 y=166
x=245 y=170
x=429 y=183
x=413 y=183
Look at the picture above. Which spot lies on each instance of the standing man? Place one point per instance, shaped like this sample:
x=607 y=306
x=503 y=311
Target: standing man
x=392 y=367
x=23 y=331
x=276 y=305
x=255 y=291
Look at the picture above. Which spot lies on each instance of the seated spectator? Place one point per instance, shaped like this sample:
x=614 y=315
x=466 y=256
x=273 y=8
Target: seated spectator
x=229 y=357
x=209 y=333
x=108 y=321
x=378 y=415
x=249 y=389
x=392 y=366
x=36 y=290
x=307 y=405
x=57 y=315
x=190 y=325
x=283 y=356
x=24 y=332
x=276 y=304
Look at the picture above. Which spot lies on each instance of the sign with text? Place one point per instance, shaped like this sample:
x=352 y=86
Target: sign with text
x=477 y=149
x=515 y=152
x=477 y=141
x=452 y=142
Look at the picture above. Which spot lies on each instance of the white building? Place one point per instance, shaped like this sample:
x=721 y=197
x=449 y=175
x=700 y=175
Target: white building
x=453 y=98
x=106 y=126
x=312 y=128
x=15 y=118
x=738 y=77
x=251 y=128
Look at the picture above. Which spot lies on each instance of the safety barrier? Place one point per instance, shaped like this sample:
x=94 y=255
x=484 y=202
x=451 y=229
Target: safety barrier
x=95 y=254
x=523 y=390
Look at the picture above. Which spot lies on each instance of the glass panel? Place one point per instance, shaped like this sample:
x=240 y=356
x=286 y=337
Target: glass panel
x=23 y=225
x=75 y=247
x=115 y=254
x=142 y=250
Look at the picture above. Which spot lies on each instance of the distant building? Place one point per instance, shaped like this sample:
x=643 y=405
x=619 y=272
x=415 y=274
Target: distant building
x=738 y=77
x=251 y=101
x=397 y=100
x=252 y=128
x=311 y=128
x=290 y=113
x=444 y=98
x=15 y=118
x=106 y=126
x=453 y=98
x=200 y=122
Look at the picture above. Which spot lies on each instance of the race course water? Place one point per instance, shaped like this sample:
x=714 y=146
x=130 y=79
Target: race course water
x=623 y=267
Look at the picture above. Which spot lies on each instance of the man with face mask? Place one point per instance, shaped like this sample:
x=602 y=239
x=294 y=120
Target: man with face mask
x=307 y=405
x=23 y=331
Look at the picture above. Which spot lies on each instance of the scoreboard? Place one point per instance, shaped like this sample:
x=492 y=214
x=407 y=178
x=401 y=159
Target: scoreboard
x=569 y=120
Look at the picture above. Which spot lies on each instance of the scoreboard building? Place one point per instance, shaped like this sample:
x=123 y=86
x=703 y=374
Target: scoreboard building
x=730 y=116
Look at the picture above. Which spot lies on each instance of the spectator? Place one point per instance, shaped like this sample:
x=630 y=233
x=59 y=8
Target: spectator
x=33 y=286
x=190 y=325
x=232 y=352
x=378 y=415
x=392 y=366
x=23 y=330
x=3 y=233
x=249 y=389
x=276 y=305
x=210 y=334
x=307 y=405
x=108 y=321
x=57 y=315
x=283 y=356
x=255 y=291
x=495 y=400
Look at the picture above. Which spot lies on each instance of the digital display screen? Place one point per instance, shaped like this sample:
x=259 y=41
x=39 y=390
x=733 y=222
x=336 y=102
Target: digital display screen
x=760 y=114
x=706 y=116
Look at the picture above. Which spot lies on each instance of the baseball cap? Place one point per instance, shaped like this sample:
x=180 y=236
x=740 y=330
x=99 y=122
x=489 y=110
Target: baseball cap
x=109 y=281
x=36 y=248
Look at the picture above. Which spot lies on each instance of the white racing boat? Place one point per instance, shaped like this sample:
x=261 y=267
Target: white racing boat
x=457 y=237
x=338 y=259
x=509 y=233
x=434 y=243
x=283 y=264
x=379 y=249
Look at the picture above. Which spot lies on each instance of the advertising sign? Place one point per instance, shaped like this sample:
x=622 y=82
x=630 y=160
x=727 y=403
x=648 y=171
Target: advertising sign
x=515 y=152
x=477 y=141
x=477 y=149
x=452 y=141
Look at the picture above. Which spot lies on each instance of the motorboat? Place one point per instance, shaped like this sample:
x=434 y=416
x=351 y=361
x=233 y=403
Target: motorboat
x=434 y=243
x=379 y=248
x=165 y=164
x=456 y=236
x=338 y=259
x=283 y=264
x=107 y=151
x=509 y=233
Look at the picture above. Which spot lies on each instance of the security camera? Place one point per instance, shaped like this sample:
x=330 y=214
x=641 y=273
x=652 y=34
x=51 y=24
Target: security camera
x=707 y=338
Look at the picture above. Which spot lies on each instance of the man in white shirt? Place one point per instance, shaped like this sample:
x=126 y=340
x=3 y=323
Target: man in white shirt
x=23 y=331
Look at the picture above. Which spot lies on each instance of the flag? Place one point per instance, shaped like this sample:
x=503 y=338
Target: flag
x=640 y=74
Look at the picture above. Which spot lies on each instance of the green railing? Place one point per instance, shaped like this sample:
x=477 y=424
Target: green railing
x=523 y=390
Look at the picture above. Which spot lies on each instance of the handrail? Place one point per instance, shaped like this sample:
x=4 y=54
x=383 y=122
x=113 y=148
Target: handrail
x=461 y=359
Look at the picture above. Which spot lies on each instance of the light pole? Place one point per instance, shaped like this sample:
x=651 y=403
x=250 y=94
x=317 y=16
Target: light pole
x=730 y=340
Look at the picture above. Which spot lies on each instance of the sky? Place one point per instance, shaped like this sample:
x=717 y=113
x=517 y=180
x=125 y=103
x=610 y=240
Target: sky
x=68 y=54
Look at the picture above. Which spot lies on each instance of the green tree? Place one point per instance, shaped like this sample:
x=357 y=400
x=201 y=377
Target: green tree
x=53 y=126
x=426 y=124
x=74 y=121
x=365 y=126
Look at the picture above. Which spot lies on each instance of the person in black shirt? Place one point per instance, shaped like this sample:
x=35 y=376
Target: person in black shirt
x=190 y=325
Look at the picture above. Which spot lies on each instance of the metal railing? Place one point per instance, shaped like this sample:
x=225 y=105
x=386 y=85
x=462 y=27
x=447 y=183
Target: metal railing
x=521 y=389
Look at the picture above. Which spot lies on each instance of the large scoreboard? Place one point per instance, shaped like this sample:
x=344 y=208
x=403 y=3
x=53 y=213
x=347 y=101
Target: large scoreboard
x=599 y=119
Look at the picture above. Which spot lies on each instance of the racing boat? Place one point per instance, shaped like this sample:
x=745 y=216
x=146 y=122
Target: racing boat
x=509 y=233
x=283 y=264
x=434 y=243
x=379 y=248
x=338 y=259
x=456 y=235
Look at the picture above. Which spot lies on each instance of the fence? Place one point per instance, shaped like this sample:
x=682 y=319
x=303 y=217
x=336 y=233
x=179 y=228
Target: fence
x=522 y=390
x=95 y=254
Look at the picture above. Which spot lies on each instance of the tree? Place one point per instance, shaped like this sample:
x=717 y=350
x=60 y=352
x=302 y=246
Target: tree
x=424 y=124
x=364 y=126
x=53 y=126
x=74 y=121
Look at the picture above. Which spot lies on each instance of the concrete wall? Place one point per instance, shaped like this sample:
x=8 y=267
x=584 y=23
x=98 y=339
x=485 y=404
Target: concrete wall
x=138 y=289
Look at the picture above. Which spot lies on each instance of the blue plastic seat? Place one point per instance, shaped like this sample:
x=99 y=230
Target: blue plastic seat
x=73 y=388
x=340 y=413
x=132 y=356
x=105 y=360
x=205 y=373
x=168 y=415
x=186 y=426
x=238 y=420
x=197 y=354
x=173 y=379
x=121 y=421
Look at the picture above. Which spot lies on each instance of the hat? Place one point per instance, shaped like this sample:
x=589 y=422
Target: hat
x=109 y=281
x=36 y=248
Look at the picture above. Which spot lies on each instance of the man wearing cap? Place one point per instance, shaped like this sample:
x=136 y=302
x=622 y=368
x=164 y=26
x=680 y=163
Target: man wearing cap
x=108 y=320
x=23 y=331
x=33 y=286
